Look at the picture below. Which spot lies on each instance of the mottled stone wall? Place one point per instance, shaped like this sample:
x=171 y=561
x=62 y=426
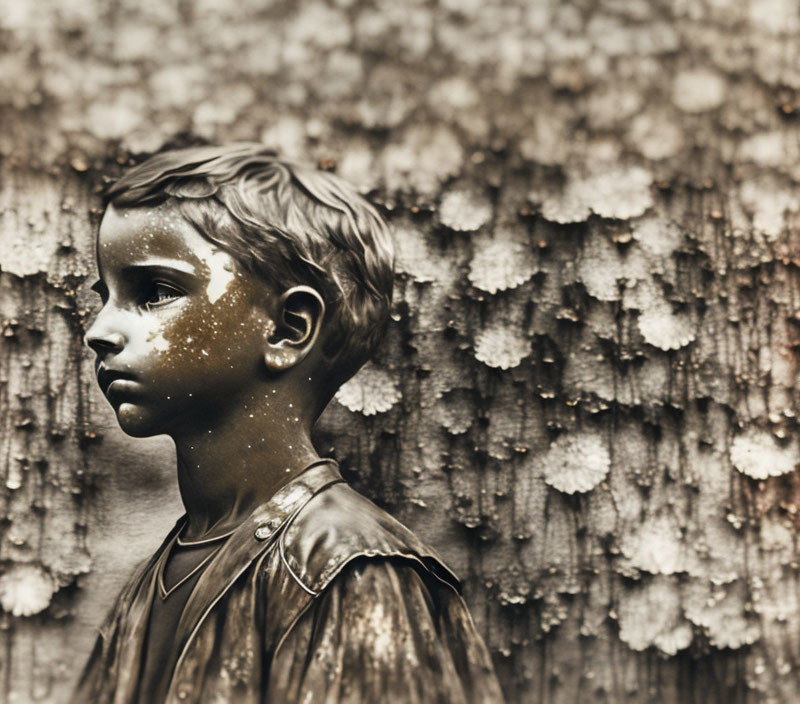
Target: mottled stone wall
x=586 y=400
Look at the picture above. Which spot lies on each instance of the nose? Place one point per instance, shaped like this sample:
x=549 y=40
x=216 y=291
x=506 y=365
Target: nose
x=102 y=338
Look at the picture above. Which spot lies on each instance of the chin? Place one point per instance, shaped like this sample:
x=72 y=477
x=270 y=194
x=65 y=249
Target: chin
x=135 y=422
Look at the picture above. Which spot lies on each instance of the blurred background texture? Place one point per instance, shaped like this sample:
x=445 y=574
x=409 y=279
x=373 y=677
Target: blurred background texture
x=587 y=400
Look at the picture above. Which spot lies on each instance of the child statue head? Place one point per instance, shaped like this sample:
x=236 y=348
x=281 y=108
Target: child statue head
x=225 y=267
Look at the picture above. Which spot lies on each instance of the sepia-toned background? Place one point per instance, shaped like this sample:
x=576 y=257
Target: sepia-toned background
x=587 y=398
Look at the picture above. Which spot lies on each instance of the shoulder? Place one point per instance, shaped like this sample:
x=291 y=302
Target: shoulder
x=383 y=631
x=339 y=525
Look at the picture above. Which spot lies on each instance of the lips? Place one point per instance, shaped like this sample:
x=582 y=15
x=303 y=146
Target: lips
x=106 y=377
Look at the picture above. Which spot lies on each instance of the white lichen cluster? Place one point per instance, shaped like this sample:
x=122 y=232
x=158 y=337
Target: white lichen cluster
x=501 y=346
x=757 y=454
x=501 y=261
x=576 y=462
x=650 y=615
x=620 y=193
x=665 y=329
x=26 y=589
x=464 y=211
x=372 y=390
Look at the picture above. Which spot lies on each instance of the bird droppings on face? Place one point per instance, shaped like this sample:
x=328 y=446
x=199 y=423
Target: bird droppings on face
x=159 y=342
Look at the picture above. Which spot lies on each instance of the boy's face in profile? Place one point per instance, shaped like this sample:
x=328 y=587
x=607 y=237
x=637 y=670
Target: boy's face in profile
x=182 y=331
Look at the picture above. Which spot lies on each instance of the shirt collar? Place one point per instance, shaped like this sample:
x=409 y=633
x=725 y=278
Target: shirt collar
x=253 y=536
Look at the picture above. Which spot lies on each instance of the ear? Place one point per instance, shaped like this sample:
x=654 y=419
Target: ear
x=300 y=311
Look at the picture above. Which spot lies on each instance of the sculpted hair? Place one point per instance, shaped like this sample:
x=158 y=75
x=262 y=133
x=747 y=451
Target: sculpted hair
x=288 y=223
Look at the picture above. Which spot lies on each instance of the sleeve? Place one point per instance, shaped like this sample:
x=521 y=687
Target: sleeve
x=379 y=633
x=99 y=677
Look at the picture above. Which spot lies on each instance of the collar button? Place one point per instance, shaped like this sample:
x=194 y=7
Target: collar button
x=184 y=690
x=263 y=532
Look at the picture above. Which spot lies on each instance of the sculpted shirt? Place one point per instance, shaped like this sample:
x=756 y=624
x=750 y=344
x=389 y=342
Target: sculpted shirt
x=319 y=597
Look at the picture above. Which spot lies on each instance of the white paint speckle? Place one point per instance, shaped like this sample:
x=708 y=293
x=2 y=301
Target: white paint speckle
x=221 y=274
x=377 y=634
x=159 y=342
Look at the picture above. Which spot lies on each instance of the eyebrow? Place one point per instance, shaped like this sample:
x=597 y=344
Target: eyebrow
x=165 y=266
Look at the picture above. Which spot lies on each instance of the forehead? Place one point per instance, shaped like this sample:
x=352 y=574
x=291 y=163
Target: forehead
x=143 y=235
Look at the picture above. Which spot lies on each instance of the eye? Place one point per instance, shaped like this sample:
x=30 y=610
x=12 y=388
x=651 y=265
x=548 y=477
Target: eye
x=159 y=294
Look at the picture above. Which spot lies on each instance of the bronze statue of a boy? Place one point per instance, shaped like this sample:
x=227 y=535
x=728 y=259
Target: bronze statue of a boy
x=239 y=292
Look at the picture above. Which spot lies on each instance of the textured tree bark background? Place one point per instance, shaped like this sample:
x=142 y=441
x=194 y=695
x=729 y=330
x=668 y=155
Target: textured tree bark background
x=586 y=400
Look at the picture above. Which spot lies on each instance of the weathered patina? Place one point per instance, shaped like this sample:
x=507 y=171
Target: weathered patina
x=318 y=596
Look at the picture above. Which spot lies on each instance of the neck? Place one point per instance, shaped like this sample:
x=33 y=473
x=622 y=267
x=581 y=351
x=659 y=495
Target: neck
x=229 y=467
